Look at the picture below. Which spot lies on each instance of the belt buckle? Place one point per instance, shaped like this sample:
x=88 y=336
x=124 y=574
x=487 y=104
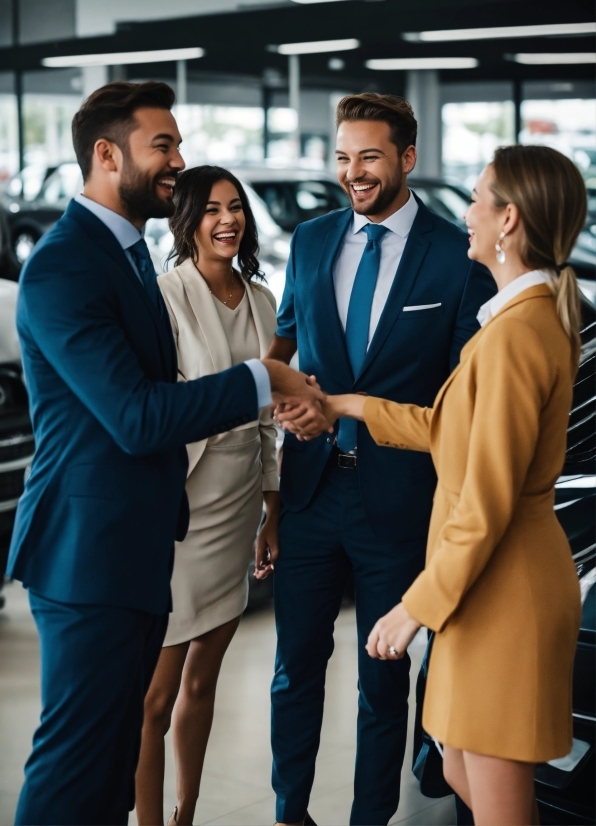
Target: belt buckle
x=347 y=460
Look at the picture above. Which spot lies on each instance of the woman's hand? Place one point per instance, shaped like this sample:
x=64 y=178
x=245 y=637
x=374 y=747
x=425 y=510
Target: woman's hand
x=267 y=544
x=395 y=630
x=309 y=421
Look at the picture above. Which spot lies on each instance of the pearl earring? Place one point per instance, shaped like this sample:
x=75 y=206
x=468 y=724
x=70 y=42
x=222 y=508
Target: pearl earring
x=500 y=250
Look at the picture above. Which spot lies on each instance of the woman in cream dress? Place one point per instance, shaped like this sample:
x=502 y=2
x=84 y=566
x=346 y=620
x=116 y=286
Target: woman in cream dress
x=220 y=317
x=500 y=588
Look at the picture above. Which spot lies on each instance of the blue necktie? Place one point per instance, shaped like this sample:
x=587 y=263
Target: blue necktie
x=147 y=274
x=358 y=323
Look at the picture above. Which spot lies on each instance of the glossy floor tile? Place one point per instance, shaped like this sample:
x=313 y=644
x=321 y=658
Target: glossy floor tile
x=236 y=787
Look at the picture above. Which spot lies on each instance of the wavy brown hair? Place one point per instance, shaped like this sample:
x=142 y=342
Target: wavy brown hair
x=393 y=110
x=550 y=195
x=193 y=189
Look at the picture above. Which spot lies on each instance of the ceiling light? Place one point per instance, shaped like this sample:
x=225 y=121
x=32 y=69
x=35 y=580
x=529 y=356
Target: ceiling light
x=560 y=29
x=307 y=2
x=121 y=58
x=316 y=46
x=401 y=63
x=552 y=59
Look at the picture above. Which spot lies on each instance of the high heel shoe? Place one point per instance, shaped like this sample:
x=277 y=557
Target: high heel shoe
x=173 y=817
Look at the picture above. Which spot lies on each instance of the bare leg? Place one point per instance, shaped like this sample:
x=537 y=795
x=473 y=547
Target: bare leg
x=159 y=703
x=502 y=791
x=193 y=713
x=454 y=770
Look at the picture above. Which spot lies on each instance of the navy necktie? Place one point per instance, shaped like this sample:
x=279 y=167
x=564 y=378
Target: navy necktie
x=358 y=323
x=147 y=274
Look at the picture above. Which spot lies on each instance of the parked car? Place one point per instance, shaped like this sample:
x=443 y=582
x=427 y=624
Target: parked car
x=9 y=266
x=295 y=195
x=16 y=437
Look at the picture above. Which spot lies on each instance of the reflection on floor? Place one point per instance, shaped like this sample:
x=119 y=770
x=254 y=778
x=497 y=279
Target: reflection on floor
x=236 y=787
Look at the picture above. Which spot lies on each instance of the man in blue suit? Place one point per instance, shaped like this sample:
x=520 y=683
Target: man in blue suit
x=95 y=529
x=379 y=299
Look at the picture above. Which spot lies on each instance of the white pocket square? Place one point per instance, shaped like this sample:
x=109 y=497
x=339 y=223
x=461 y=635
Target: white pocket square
x=421 y=307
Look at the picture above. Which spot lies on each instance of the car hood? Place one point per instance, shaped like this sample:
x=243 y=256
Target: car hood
x=9 y=342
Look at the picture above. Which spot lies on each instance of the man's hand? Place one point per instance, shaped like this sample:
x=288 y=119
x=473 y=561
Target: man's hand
x=392 y=633
x=291 y=386
x=305 y=420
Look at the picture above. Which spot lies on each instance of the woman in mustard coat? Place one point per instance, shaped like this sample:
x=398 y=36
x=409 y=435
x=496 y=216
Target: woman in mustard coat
x=500 y=588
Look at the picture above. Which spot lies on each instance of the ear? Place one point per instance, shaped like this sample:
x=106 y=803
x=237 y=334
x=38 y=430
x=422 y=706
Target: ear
x=408 y=159
x=107 y=155
x=512 y=220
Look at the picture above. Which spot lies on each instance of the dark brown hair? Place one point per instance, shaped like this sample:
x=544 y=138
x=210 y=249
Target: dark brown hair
x=193 y=188
x=393 y=110
x=109 y=113
x=550 y=195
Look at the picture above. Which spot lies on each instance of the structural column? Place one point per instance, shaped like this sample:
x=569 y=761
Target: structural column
x=294 y=95
x=422 y=90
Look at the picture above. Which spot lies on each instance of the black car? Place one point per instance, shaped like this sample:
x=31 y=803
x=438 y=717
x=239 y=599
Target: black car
x=16 y=437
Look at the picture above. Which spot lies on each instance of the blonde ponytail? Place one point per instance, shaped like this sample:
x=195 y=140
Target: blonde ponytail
x=566 y=293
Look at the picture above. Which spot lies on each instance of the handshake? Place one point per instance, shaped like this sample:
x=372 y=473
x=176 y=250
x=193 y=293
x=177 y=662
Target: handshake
x=302 y=408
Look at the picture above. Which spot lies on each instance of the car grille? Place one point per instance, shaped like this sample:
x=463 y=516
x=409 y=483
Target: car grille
x=15 y=447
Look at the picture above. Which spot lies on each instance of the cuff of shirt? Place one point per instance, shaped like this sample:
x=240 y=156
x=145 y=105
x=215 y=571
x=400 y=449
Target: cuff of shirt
x=262 y=382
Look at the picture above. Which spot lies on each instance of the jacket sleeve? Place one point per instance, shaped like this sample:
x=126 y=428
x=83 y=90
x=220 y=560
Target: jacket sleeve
x=70 y=319
x=511 y=386
x=405 y=426
x=479 y=287
x=286 y=318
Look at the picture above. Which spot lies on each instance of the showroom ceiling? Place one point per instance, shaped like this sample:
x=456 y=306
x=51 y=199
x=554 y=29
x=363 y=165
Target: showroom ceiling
x=242 y=43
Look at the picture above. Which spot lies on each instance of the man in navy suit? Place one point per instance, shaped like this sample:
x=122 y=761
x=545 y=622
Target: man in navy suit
x=379 y=299
x=95 y=529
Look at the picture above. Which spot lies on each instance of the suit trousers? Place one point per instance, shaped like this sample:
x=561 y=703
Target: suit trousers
x=318 y=545
x=96 y=666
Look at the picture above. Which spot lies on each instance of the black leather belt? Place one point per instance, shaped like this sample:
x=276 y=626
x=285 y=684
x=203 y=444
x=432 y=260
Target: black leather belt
x=348 y=461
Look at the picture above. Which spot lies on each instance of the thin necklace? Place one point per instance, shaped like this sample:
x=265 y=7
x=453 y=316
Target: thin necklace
x=229 y=298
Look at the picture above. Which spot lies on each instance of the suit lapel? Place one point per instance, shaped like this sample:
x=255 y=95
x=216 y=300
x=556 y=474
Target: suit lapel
x=409 y=266
x=201 y=302
x=106 y=240
x=327 y=333
x=264 y=342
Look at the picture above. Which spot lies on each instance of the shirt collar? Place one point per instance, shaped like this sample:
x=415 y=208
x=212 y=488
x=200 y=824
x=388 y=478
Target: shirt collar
x=400 y=222
x=126 y=234
x=515 y=287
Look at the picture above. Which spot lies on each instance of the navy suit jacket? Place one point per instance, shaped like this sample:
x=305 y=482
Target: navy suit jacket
x=410 y=356
x=106 y=495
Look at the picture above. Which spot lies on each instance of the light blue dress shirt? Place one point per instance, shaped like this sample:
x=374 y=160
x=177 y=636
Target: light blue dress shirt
x=126 y=234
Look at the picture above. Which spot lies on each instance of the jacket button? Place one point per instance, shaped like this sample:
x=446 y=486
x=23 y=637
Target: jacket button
x=328 y=441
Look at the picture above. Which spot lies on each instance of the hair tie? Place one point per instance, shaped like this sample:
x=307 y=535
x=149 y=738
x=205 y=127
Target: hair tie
x=560 y=267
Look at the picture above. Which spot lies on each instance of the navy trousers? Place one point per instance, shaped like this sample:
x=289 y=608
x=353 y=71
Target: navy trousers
x=317 y=547
x=96 y=665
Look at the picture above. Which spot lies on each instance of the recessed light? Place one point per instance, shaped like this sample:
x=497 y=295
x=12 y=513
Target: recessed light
x=403 y=63
x=318 y=46
x=553 y=59
x=122 y=58
x=487 y=33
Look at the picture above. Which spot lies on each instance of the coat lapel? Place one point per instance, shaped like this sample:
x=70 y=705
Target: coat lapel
x=412 y=258
x=201 y=302
x=327 y=332
x=106 y=240
x=264 y=340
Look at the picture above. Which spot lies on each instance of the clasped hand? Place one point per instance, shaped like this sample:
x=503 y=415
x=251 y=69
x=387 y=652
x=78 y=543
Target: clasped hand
x=300 y=404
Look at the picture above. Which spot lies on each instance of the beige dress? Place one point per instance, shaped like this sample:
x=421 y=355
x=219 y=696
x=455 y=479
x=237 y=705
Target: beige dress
x=225 y=490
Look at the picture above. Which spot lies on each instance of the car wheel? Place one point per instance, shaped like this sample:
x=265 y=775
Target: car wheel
x=23 y=244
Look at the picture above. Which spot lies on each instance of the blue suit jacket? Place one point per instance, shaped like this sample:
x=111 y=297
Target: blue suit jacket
x=105 y=499
x=410 y=356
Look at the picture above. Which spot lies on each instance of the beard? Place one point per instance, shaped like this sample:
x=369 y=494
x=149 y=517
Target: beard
x=387 y=195
x=138 y=193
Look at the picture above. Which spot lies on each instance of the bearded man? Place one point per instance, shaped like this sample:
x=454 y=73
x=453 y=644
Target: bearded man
x=379 y=299
x=95 y=529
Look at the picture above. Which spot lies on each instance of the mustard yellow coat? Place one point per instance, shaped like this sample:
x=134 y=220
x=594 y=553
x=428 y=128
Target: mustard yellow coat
x=499 y=587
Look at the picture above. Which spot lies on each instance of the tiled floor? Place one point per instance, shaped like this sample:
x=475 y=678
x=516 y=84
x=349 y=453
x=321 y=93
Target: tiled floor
x=236 y=783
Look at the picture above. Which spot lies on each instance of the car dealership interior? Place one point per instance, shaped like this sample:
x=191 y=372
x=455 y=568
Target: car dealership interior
x=257 y=83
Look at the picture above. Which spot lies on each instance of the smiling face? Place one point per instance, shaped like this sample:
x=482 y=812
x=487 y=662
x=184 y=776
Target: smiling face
x=484 y=221
x=370 y=168
x=151 y=161
x=222 y=226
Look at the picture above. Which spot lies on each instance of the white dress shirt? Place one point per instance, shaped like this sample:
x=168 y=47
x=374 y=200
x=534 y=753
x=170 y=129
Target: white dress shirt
x=515 y=287
x=127 y=234
x=392 y=246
